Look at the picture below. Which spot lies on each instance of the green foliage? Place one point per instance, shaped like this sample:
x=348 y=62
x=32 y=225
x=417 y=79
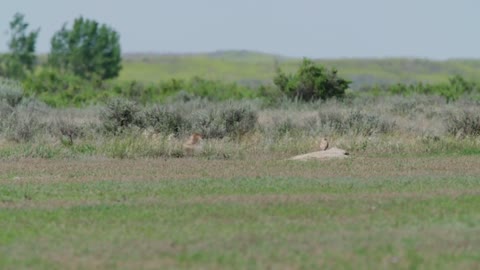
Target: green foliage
x=451 y=91
x=66 y=89
x=21 y=57
x=457 y=87
x=311 y=82
x=271 y=95
x=88 y=50
x=134 y=90
x=254 y=69
x=59 y=90
x=217 y=90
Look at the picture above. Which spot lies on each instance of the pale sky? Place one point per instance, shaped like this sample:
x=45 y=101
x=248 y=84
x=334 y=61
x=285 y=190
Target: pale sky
x=436 y=29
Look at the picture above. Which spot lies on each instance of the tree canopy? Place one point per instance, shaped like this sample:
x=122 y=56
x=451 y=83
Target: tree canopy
x=88 y=50
x=21 y=57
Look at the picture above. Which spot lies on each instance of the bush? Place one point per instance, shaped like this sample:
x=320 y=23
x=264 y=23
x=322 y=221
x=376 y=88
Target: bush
x=451 y=91
x=121 y=114
x=466 y=123
x=21 y=126
x=166 y=121
x=5 y=111
x=209 y=124
x=59 y=90
x=182 y=96
x=11 y=92
x=217 y=90
x=284 y=127
x=356 y=123
x=311 y=82
x=238 y=120
x=67 y=130
x=227 y=121
x=271 y=95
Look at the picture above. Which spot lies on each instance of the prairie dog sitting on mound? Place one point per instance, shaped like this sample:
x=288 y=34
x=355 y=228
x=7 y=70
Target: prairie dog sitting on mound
x=193 y=144
x=323 y=144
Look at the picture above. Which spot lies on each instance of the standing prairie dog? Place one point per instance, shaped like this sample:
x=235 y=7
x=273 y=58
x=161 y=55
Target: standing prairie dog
x=323 y=144
x=193 y=144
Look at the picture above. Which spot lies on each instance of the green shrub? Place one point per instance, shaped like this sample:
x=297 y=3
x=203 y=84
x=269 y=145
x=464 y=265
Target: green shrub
x=21 y=126
x=466 y=123
x=217 y=90
x=67 y=130
x=238 y=120
x=182 y=96
x=311 y=82
x=5 y=111
x=284 y=127
x=356 y=123
x=209 y=124
x=121 y=114
x=226 y=121
x=270 y=95
x=64 y=89
x=451 y=91
x=11 y=92
x=164 y=120
x=61 y=89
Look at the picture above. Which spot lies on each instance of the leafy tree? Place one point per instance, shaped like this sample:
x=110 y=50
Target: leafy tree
x=21 y=57
x=88 y=50
x=311 y=82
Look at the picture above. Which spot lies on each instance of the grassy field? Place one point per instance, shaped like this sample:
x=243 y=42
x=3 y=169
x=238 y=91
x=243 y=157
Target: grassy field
x=361 y=213
x=254 y=68
x=84 y=188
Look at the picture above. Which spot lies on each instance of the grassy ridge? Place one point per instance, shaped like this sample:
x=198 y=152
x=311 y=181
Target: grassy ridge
x=252 y=68
x=372 y=213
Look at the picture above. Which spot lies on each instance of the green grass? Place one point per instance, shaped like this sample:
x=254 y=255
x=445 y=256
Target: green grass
x=253 y=68
x=360 y=213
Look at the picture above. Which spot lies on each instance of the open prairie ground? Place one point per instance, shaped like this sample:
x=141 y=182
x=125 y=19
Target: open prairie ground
x=375 y=212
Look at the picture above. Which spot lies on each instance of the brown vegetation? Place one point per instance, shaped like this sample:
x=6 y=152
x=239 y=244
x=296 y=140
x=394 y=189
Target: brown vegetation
x=193 y=144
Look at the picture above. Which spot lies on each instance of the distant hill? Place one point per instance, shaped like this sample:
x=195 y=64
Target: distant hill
x=254 y=68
